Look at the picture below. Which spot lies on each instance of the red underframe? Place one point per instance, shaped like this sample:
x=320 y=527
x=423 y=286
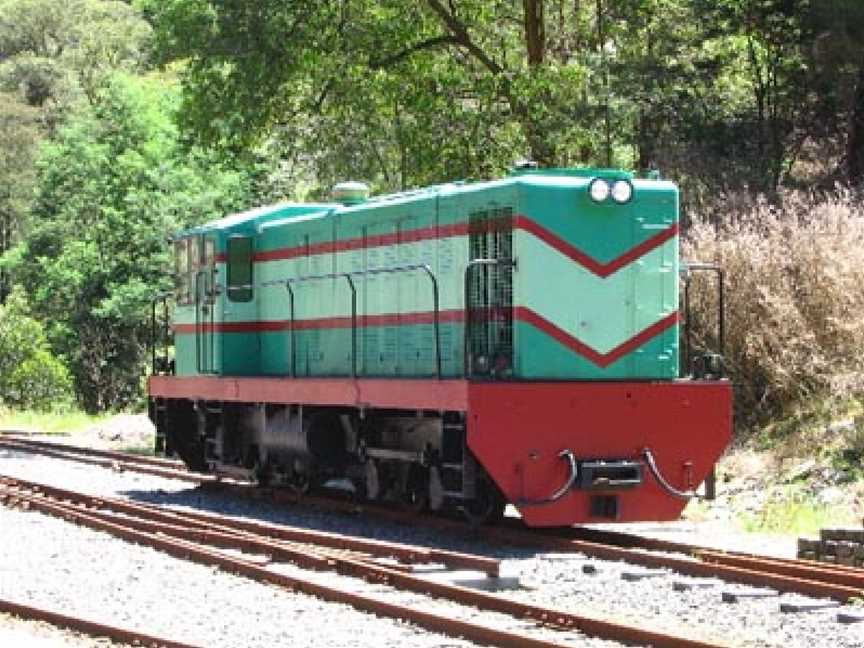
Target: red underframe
x=517 y=430
x=400 y=393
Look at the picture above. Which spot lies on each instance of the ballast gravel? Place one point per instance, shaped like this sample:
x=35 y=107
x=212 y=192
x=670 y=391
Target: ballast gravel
x=54 y=564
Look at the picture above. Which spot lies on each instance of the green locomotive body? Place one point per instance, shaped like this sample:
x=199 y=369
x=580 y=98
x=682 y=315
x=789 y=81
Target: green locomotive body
x=577 y=303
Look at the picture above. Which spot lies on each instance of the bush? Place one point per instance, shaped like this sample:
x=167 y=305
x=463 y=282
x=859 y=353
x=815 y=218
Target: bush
x=795 y=307
x=30 y=376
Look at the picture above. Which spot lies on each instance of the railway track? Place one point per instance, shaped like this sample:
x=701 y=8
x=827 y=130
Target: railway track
x=156 y=466
x=803 y=577
x=216 y=540
x=89 y=627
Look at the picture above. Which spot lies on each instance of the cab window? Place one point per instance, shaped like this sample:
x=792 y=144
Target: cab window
x=240 y=268
x=181 y=271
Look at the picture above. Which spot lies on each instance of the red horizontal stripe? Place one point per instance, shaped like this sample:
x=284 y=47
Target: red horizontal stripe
x=363 y=321
x=522 y=314
x=360 y=243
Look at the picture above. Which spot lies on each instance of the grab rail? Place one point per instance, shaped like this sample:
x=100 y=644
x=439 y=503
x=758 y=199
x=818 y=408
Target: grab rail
x=721 y=305
x=163 y=298
x=349 y=277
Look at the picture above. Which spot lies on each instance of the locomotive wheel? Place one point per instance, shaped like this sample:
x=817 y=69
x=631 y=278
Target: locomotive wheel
x=487 y=507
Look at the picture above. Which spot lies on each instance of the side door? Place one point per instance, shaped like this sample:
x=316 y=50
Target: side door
x=203 y=255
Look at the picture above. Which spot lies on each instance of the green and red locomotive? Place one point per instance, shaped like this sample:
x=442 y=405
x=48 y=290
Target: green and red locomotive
x=462 y=346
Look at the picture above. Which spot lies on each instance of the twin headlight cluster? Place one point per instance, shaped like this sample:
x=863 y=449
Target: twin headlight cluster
x=600 y=190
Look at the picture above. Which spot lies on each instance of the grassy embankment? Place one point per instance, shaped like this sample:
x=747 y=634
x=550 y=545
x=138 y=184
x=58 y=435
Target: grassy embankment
x=70 y=422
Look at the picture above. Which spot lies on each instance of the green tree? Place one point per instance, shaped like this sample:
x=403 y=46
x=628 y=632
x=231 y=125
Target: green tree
x=19 y=136
x=112 y=186
x=30 y=376
x=52 y=51
x=400 y=93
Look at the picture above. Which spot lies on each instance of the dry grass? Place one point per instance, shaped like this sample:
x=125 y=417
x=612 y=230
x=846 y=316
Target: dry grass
x=795 y=307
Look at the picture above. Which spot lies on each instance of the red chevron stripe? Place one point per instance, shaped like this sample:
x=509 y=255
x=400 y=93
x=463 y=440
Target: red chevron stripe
x=520 y=313
x=599 y=269
x=461 y=229
x=602 y=360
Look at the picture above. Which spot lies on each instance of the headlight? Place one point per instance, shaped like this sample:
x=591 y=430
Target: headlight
x=622 y=191
x=599 y=190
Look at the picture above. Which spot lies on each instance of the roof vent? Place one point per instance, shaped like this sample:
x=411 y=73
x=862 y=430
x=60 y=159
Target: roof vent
x=351 y=193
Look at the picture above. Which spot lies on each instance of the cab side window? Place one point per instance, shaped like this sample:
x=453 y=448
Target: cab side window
x=240 y=268
x=181 y=271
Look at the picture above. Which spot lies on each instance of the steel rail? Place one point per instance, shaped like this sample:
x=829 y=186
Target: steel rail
x=803 y=577
x=764 y=575
x=85 y=626
x=753 y=575
x=129 y=465
x=448 y=625
x=842 y=574
x=96 y=452
x=198 y=521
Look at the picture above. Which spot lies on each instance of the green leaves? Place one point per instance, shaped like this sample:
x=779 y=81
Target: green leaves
x=30 y=376
x=114 y=184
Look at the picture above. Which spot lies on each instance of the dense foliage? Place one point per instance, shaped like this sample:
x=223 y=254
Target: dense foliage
x=114 y=184
x=30 y=376
x=721 y=95
x=121 y=121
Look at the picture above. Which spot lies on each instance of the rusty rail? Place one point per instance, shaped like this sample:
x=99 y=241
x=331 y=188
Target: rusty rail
x=802 y=577
x=92 y=628
x=129 y=464
x=195 y=522
x=16 y=492
x=93 y=452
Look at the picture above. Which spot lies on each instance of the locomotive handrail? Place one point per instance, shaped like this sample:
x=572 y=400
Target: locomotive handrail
x=436 y=328
x=721 y=304
x=302 y=279
x=200 y=326
x=163 y=298
x=472 y=264
x=349 y=277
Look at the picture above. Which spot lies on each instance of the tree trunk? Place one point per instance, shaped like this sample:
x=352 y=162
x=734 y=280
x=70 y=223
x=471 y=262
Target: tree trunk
x=535 y=31
x=855 y=144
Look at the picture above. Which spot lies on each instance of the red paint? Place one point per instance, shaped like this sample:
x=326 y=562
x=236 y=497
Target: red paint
x=516 y=430
x=397 y=393
x=520 y=313
x=360 y=243
x=363 y=321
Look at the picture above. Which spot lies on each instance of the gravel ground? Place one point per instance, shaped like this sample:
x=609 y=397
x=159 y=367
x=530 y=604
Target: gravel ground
x=138 y=587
